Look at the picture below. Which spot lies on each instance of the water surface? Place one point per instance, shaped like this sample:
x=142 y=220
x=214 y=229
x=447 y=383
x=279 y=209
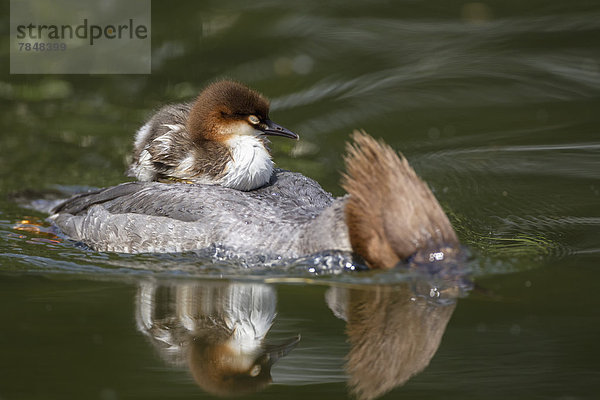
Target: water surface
x=495 y=105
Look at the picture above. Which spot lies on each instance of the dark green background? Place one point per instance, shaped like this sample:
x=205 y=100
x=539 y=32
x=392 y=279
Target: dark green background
x=496 y=105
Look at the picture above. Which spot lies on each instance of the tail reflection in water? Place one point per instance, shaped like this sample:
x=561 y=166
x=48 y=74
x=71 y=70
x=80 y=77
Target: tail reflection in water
x=217 y=330
x=393 y=333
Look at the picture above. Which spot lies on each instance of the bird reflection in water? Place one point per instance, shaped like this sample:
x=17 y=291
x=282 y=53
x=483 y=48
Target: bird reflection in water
x=217 y=330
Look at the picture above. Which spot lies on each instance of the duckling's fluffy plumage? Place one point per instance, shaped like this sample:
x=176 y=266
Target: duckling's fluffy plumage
x=217 y=139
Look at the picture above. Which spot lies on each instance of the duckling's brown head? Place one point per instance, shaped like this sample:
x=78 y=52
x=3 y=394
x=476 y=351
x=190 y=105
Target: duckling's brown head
x=223 y=371
x=227 y=108
x=391 y=213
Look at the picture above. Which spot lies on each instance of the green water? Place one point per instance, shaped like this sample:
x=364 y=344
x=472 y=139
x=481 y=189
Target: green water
x=495 y=105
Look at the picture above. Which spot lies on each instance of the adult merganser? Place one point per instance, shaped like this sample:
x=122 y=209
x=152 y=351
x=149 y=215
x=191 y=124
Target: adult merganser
x=218 y=139
x=389 y=216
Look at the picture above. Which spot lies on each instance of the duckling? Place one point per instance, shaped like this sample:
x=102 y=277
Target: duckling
x=218 y=139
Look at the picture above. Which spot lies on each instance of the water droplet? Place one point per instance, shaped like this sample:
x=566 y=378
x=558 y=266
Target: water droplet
x=437 y=256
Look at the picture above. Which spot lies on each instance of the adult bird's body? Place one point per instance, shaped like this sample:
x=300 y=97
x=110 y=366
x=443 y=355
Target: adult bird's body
x=389 y=216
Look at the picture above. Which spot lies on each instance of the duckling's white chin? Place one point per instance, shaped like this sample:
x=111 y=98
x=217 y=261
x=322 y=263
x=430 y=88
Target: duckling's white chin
x=240 y=129
x=250 y=167
x=249 y=314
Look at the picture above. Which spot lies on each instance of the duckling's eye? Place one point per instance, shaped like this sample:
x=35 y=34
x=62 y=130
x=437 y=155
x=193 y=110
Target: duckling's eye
x=254 y=120
x=255 y=371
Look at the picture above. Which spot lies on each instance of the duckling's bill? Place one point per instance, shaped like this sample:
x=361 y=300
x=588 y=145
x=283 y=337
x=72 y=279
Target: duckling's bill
x=273 y=129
